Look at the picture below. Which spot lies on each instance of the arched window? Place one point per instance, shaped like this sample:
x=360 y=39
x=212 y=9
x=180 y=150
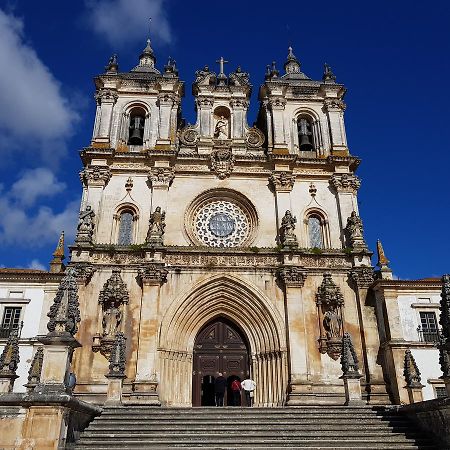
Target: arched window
x=126 y=219
x=315 y=233
x=136 y=127
x=305 y=134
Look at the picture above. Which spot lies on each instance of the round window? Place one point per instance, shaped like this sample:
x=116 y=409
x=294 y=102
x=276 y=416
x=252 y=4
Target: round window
x=221 y=224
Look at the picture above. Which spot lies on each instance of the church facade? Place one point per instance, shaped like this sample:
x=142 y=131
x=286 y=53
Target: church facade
x=220 y=246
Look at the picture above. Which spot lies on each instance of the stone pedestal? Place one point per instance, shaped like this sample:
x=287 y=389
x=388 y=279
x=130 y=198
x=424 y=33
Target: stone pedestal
x=7 y=383
x=114 y=393
x=145 y=392
x=447 y=385
x=415 y=393
x=352 y=388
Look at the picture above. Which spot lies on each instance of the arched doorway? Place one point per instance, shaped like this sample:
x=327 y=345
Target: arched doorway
x=220 y=346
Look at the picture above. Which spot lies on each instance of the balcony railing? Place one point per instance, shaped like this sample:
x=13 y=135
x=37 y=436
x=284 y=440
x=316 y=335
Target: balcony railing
x=6 y=331
x=428 y=335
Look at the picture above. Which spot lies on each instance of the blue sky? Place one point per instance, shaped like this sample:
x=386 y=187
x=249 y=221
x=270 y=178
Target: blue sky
x=392 y=56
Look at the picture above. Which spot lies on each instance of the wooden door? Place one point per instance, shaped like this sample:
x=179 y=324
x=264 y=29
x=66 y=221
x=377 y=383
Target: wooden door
x=219 y=347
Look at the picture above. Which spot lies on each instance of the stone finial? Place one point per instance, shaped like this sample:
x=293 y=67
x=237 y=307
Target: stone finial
x=349 y=359
x=328 y=75
x=113 y=66
x=444 y=320
x=287 y=230
x=85 y=228
x=171 y=67
x=384 y=271
x=56 y=264
x=9 y=359
x=34 y=373
x=117 y=357
x=64 y=314
x=156 y=226
x=411 y=371
x=292 y=64
x=354 y=232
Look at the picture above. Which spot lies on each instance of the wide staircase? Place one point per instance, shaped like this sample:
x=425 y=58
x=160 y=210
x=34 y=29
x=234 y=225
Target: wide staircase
x=313 y=427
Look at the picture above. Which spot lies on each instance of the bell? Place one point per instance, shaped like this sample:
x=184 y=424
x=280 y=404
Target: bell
x=305 y=144
x=136 y=132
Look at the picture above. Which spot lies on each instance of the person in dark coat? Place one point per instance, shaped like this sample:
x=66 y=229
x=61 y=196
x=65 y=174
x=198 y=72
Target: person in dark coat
x=220 y=384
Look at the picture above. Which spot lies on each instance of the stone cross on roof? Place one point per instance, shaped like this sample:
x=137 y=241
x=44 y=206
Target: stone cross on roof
x=221 y=62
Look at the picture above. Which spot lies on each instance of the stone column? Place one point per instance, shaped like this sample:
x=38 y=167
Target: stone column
x=293 y=278
x=161 y=178
x=165 y=103
x=95 y=177
x=116 y=372
x=277 y=105
x=238 y=116
x=146 y=382
x=362 y=278
x=106 y=99
x=334 y=109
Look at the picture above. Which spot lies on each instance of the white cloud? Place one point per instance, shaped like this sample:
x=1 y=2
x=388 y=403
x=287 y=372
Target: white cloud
x=36 y=264
x=36 y=183
x=122 y=22
x=33 y=109
x=39 y=226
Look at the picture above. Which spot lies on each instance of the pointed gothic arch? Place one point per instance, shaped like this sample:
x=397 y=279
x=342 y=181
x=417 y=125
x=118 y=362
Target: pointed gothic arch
x=230 y=297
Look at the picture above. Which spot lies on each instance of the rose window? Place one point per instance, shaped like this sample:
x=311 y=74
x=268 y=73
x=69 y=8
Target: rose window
x=221 y=224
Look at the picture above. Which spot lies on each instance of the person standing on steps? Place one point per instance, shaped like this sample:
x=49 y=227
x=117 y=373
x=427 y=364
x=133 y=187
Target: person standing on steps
x=249 y=388
x=236 y=390
x=220 y=385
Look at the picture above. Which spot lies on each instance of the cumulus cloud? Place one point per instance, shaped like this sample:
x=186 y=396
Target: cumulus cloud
x=122 y=22
x=33 y=109
x=36 y=183
x=23 y=225
x=36 y=264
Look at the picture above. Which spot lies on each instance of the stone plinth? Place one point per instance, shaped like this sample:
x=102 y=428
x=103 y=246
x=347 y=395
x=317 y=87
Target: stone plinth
x=352 y=388
x=415 y=393
x=7 y=383
x=145 y=392
x=114 y=392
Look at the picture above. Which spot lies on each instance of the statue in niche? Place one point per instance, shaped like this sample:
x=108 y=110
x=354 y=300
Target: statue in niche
x=354 y=231
x=156 y=226
x=112 y=318
x=85 y=228
x=287 y=230
x=332 y=324
x=221 y=129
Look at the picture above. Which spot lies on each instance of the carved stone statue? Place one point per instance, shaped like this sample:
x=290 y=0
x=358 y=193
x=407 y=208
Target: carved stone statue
x=85 y=228
x=354 y=231
x=287 y=230
x=112 y=318
x=156 y=227
x=221 y=129
x=332 y=324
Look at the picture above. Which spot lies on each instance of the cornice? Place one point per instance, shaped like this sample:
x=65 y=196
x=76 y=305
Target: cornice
x=29 y=276
x=380 y=284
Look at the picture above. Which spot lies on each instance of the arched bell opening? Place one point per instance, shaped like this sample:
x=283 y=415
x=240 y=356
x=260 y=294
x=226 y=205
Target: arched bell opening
x=220 y=347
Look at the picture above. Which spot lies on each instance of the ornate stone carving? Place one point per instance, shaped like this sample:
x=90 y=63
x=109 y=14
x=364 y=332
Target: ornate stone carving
x=335 y=103
x=161 y=176
x=349 y=359
x=9 y=359
x=166 y=99
x=84 y=272
x=328 y=76
x=292 y=276
x=34 y=373
x=106 y=96
x=330 y=301
x=363 y=277
x=411 y=371
x=189 y=136
x=64 y=314
x=282 y=181
x=156 y=227
x=277 y=103
x=95 y=175
x=112 y=299
x=354 y=232
x=444 y=341
x=222 y=162
x=205 y=102
x=312 y=190
x=117 y=357
x=85 y=228
x=129 y=184
x=345 y=182
x=204 y=260
x=239 y=78
x=153 y=274
x=255 y=138
x=287 y=230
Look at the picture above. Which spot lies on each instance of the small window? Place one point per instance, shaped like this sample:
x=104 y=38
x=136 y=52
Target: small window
x=441 y=392
x=15 y=294
x=10 y=321
x=305 y=134
x=136 y=127
x=428 y=329
x=126 y=228
x=315 y=232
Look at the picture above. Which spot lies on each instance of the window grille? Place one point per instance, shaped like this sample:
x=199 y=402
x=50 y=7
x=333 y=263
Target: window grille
x=125 y=228
x=11 y=321
x=315 y=232
x=428 y=330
